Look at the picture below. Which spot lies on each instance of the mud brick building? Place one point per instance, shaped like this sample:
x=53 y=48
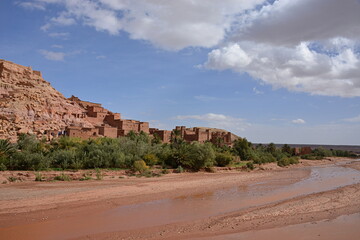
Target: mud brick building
x=163 y=135
x=108 y=124
x=105 y=122
x=299 y=151
x=216 y=136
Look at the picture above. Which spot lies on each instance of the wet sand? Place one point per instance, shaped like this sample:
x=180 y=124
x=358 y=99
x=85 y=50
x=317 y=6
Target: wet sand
x=181 y=206
x=343 y=227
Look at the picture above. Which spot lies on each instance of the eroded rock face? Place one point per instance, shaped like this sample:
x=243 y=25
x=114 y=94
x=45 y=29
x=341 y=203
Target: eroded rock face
x=29 y=104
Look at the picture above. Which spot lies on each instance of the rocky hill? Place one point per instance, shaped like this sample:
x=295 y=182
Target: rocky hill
x=29 y=104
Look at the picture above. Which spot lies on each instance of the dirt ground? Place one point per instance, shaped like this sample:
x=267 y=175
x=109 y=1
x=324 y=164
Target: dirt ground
x=29 y=205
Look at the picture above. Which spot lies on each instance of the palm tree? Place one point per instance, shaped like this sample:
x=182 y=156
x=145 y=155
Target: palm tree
x=176 y=138
x=6 y=148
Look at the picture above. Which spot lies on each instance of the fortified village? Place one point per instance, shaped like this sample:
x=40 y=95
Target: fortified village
x=29 y=104
x=108 y=124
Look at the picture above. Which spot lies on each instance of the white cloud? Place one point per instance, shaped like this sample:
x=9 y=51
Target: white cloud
x=353 y=120
x=54 y=56
x=298 y=121
x=204 y=98
x=171 y=25
x=32 y=5
x=56 y=46
x=214 y=120
x=231 y=56
x=63 y=35
x=290 y=22
x=310 y=46
x=100 y=57
x=301 y=45
x=36 y=4
x=257 y=91
x=299 y=69
x=64 y=19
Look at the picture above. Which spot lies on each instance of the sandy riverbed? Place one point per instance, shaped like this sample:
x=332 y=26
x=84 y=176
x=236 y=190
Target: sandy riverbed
x=174 y=206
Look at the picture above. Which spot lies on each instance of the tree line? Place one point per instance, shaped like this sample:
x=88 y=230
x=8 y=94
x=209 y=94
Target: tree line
x=140 y=151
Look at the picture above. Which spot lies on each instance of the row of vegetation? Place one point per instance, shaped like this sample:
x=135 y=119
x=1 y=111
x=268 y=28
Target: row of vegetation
x=139 y=152
x=320 y=153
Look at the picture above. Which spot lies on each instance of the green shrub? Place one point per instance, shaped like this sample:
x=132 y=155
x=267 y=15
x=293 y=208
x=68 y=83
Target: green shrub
x=147 y=174
x=163 y=152
x=98 y=174
x=3 y=167
x=223 y=159
x=287 y=161
x=210 y=169
x=311 y=157
x=25 y=160
x=250 y=165
x=140 y=166
x=151 y=159
x=86 y=176
x=38 y=177
x=261 y=157
x=64 y=159
x=322 y=152
x=62 y=177
x=179 y=169
x=12 y=179
x=192 y=156
x=150 y=174
x=66 y=143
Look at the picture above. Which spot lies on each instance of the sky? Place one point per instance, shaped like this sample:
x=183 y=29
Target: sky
x=283 y=71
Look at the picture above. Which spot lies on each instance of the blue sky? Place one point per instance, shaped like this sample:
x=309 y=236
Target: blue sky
x=271 y=71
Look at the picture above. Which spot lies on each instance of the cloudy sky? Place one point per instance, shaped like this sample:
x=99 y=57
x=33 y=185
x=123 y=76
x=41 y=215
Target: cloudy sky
x=284 y=71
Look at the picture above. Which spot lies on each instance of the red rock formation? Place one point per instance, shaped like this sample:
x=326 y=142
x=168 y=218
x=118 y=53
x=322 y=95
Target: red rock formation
x=29 y=104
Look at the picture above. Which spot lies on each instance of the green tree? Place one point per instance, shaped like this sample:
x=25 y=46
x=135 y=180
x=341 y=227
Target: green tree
x=176 y=139
x=6 y=148
x=223 y=159
x=243 y=149
x=156 y=139
x=192 y=156
x=287 y=149
x=271 y=148
x=29 y=143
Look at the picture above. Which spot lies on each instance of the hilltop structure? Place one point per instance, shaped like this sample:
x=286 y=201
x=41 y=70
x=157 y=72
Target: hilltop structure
x=29 y=104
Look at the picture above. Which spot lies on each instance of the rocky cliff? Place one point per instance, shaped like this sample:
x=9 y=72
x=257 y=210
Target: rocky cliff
x=29 y=104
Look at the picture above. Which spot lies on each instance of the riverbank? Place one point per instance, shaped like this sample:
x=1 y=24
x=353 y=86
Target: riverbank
x=96 y=209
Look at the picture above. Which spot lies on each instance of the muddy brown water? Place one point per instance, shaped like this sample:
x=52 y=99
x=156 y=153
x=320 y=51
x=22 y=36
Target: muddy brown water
x=186 y=208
